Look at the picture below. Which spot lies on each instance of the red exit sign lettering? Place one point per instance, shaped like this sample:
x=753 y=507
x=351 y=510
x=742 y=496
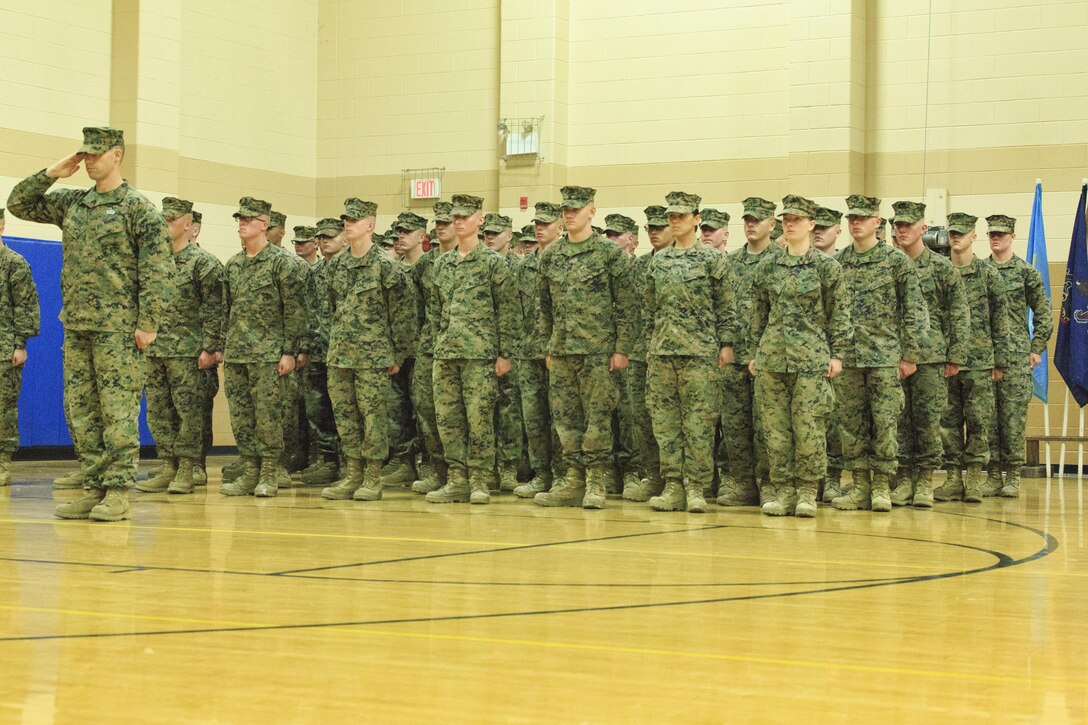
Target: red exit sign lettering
x=426 y=189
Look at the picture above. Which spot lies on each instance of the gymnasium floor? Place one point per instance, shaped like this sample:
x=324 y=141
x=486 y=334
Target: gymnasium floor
x=211 y=609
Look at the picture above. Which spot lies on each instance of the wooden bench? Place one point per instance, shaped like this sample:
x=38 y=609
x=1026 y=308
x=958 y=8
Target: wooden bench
x=1034 y=441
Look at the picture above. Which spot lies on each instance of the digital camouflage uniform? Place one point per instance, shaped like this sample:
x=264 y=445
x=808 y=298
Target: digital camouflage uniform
x=117 y=277
x=800 y=320
x=372 y=329
x=689 y=319
x=265 y=321
x=889 y=318
x=1024 y=290
x=210 y=376
x=473 y=313
x=19 y=321
x=585 y=304
x=175 y=384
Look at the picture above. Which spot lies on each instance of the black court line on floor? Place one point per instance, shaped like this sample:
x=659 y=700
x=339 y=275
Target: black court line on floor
x=1003 y=561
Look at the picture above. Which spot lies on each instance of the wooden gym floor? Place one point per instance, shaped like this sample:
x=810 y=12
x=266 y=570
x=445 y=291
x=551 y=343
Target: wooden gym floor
x=211 y=609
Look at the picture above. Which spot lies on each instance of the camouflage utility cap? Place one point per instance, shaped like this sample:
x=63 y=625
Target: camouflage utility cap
x=908 y=212
x=863 y=206
x=655 y=216
x=547 y=212
x=197 y=217
x=1001 y=224
x=798 y=206
x=250 y=207
x=758 y=208
x=681 y=202
x=620 y=224
x=174 y=208
x=466 y=205
x=962 y=223
x=827 y=217
x=329 y=226
x=358 y=209
x=497 y=223
x=777 y=231
x=527 y=235
x=577 y=197
x=713 y=218
x=276 y=219
x=387 y=239
x=443 y=211
x=410 y=222
x=100 y=140
x=304 y=234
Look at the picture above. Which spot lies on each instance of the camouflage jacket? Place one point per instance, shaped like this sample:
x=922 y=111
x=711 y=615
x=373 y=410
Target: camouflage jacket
x=741 y=266
x=689 y=309
x=321 y=318
x=19 y=313
x=117 y=272
x=989 y=317
x=534 y=341
x=373 y=310
x=946 y=338
x=1024 y=290
x=305 y=283
x=586 y=298
x=474 y=309
x=264 y=307
x=423 y=278
x=800 y=312
x=637 y=269
x=887 y=310
x=194 y=320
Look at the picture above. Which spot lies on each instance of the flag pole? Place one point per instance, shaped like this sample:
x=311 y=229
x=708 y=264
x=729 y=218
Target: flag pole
x=1046 y=403
x=1080 y=447
x=1065 y=433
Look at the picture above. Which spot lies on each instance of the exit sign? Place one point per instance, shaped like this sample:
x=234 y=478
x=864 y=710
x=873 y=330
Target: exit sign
x=426 y=188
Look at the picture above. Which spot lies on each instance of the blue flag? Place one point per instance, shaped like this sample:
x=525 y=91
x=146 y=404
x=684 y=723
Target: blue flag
x=1040 y=375
x=1071 y=352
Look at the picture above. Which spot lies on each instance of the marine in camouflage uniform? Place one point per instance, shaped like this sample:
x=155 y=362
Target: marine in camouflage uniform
x=372 y=332
x=209 y=376
x=689 y=324
x=116 y=281
x=824 y=236
x=742 y=432
x=266 y=327
x=967 y=419
x=941 y=352
x=714 y=234
x=19 y=321
x=1023 y=348
x=192 y=334
x=889 y=320
x=585 y=304
x=800 y=333
x=475 y=336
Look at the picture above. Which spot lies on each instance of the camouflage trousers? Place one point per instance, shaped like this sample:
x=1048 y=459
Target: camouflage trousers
x=742 y=431
x=645 y=456
x=508 y=430
x=966 y=422
x=623 y=442
x=320 y=421
x=104 y=377
x=175 y=406
x=11 y=381
x=793 y=411
x=403 y=443
x=684 y=402
x=211 y=389
x=1007 y=433
x=869 y=403
x=360 y=403
x=582 y=393
x=423 y=401
x=465 y=392
x=294 y=433
x=834 y=435
x=536 y=415
x=255 y=395
x=925 y=396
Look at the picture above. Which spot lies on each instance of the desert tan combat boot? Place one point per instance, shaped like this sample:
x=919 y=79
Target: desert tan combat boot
x=200 y=473
x=398 y=473
x=321 y=472
x=923 y=489
x=738 y=492
x=903 y=494
x=858 y=495
x=345 y=488
x=570 y=490
x=673 y=498
x=1011 y=489
x=644 y=490
x=479 y=488
x=113 y=506
x=244 y=484
x=371 y=490
x=972 y=485
x=183 y=479
x=879 y=495
x=268 y=480
x=541 y=482
x=832 y=486
x=232 y=471
x=161 y=481
x=434 y=478
x=806 y=499
x=508 y=477
x=952 y=488
x=80 y=508
x=71 y=480
x=596 y=493
x=696 y=498
x=455 y=490
x=994 y=483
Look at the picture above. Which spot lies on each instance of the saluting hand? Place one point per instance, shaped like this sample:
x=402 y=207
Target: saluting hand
x=65 y=167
